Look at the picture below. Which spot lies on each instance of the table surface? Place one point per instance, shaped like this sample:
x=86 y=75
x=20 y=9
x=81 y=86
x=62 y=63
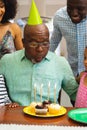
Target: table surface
x=17 y=116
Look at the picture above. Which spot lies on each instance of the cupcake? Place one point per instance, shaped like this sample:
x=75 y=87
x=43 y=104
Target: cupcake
x=40 y=109
x=54 y=108
x=46 y=103
x=32 y=107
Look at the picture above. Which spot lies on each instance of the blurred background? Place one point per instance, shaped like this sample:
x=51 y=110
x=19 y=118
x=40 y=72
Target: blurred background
x=46 y=8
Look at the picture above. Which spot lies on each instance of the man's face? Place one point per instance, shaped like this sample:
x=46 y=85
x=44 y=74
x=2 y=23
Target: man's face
x=36 y=43
x=77 y=10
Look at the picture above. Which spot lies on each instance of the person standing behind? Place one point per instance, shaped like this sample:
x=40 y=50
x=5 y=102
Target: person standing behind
x=34 y=67
x=70 y=22
x=81 y=98
x=10 y=33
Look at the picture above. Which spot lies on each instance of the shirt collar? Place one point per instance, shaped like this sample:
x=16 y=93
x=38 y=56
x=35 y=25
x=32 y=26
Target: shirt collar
x=22 y=57
x=48 y=56
x=84 y=19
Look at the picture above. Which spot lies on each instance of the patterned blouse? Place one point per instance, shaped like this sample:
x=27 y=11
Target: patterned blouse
x=7 y=43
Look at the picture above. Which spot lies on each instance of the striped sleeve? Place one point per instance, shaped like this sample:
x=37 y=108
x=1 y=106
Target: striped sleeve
x=4 y=99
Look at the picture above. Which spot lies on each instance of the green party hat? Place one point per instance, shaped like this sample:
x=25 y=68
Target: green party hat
x=34 y=16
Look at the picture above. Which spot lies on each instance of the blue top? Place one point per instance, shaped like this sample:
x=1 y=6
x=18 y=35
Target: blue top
x=22 y=76
x=75 y=36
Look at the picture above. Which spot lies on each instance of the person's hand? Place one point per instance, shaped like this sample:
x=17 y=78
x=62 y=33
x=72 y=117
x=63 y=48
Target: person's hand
x=13 y=105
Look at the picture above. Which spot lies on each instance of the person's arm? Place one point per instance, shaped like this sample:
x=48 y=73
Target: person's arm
x=69 y=83
x=56 y=35
x=18 y=36
x=4 y=94
x=78 y=77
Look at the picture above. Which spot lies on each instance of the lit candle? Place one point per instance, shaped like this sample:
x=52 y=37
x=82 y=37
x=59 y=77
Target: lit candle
x=35 y=92
x=48 y=91
x=55 y=93
x=41 y=92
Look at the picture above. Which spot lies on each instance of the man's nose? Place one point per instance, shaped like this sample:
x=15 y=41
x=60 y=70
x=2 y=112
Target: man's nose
x=39 y=48
x=75 y=12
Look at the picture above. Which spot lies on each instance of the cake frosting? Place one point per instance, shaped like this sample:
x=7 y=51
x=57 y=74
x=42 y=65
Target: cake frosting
x=32 y=106
x=54 y=108
x=40 y=109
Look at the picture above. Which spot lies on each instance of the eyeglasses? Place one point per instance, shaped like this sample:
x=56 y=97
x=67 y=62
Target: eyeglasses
x=35 y=44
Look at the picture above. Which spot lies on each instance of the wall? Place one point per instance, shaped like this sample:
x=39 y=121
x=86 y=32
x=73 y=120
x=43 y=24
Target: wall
x=23 y=8
x=50 y=6
x=45 y=7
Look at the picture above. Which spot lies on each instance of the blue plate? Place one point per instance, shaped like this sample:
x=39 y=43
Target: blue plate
x=78 y=114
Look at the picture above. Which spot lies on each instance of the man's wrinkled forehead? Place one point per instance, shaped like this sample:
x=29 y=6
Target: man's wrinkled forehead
x=30 y=29
x=35 y=31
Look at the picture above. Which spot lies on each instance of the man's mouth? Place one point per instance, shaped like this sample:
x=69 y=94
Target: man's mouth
x=75 y=20
x=39 y=58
